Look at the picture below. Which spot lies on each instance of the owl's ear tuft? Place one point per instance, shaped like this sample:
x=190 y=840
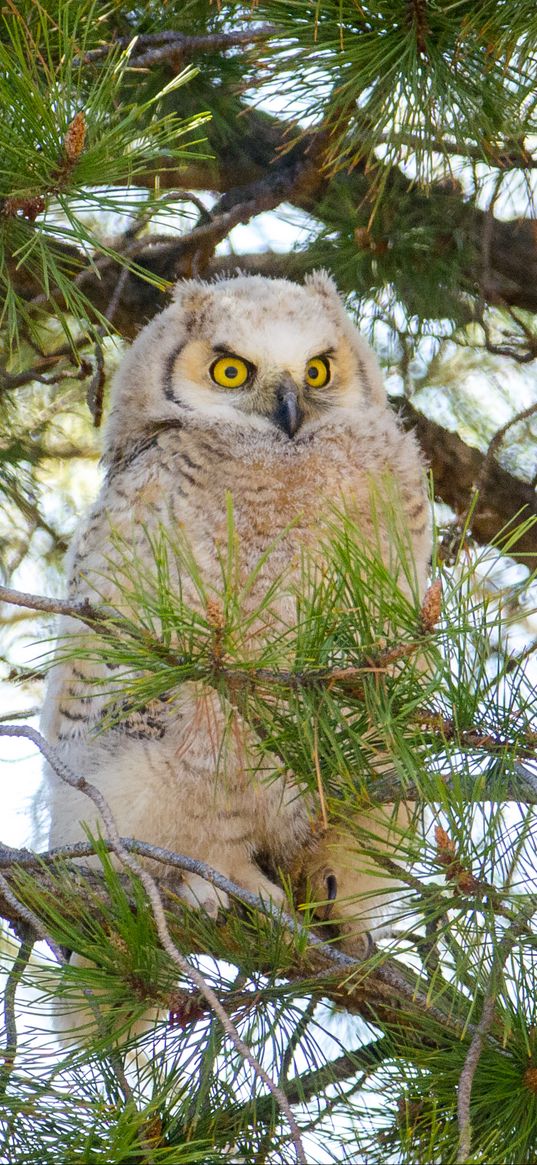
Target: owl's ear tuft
x=192 y=295
x=323 y=284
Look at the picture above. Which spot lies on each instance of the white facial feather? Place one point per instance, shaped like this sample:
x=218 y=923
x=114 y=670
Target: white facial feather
x=276 y=325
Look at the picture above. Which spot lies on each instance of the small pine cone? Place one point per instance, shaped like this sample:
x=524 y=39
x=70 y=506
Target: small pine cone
x=431 y=606
x=185 y=1009
x=444 y=843
x=530 y=1079
x=73 y=142
x=362 y=238
x=30 y=207
x=153 y=1131
x=466 y=882
x=215 y=614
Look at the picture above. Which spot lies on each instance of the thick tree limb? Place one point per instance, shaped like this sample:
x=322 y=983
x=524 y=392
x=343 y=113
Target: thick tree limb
x=268 y=143
x=151 y=48
x=387 y=991
x=458 y=468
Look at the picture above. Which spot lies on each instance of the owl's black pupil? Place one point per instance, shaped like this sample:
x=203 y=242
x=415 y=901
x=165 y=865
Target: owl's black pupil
x=313 y=373
x=231 y=371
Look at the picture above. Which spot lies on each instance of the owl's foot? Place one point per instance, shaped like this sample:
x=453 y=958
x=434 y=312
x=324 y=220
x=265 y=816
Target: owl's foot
x=203 y=895
x=251 y=878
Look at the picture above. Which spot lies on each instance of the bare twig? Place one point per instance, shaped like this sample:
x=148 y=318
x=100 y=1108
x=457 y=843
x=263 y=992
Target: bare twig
x=83 y=611
x=497 y=440
x=14 y=977
x=94 y=394
x=25 y=714
x=13 y=380
x=507 y=156
x=466 y=1078
x=478 y=496
x=152 y=47
x=514 y=350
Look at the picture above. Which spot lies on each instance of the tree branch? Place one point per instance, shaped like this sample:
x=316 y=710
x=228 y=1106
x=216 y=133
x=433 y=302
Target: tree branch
x=70 y=778
x=387 y=786
x=10 y=1022
x=457 y=467
x=83 y=611
x=151 y=48
x=464 y=1091
x=385 y=991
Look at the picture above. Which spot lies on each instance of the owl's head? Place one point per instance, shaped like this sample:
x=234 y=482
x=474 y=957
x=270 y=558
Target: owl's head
x=265 y=355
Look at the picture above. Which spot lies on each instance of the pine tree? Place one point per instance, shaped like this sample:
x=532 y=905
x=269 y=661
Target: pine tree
x=393 y=141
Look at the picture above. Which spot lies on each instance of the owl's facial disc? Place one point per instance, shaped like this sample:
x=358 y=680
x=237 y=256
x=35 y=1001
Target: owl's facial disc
x=269 y=384
x=286 y=397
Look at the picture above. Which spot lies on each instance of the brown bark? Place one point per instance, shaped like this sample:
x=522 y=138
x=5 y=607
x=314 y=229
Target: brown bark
x=458 y=468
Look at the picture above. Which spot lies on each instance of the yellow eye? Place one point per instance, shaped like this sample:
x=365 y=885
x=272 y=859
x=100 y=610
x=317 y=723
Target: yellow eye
x=230 y=371
x=318 y=372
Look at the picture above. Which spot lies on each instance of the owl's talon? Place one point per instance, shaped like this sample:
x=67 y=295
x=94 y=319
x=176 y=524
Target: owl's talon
x=203 y=896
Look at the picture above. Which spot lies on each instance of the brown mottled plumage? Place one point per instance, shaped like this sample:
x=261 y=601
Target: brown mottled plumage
x=176 y=444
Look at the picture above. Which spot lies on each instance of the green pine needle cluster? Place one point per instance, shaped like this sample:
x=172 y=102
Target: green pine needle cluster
x=79 y=132
x=362 y=679
x=419 y=74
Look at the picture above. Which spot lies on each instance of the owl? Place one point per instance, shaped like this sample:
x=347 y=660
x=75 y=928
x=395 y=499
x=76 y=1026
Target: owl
x=261 y=389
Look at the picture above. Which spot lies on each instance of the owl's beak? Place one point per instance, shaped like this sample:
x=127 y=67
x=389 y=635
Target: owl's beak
x=288 y=414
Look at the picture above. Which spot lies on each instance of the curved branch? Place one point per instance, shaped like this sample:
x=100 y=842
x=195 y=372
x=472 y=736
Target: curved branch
x=66 y=774
x=151 y=48
x=387 y=989
x=387 y=992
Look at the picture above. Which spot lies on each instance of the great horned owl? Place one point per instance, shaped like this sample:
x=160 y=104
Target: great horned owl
x=262 y=389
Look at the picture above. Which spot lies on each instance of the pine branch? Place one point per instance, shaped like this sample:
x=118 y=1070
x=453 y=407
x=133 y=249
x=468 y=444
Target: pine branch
x=385 y=992
x=152 y=48
x=307 y=1085
x=387 y=786
x=80 y=783
x=268 y=142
